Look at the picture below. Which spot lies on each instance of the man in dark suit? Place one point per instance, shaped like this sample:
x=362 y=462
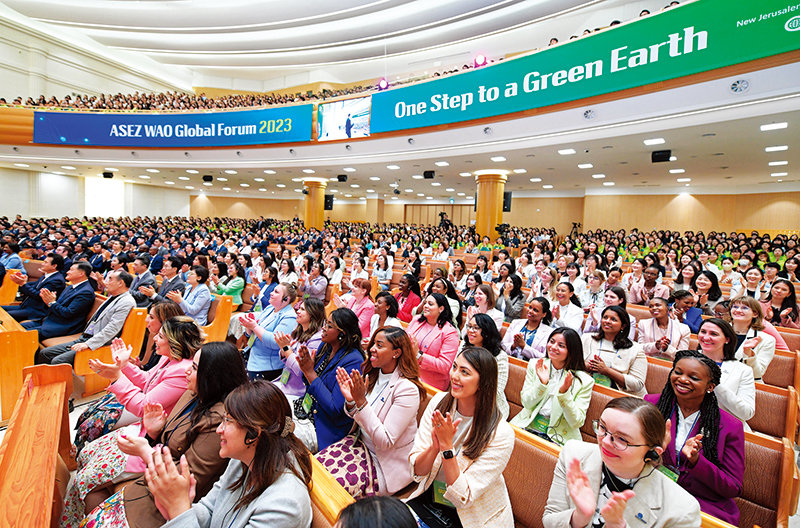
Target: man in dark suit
x=172 y=281
x=32 y=306
x=143 y=278
x=67 y=315
x=97 y=260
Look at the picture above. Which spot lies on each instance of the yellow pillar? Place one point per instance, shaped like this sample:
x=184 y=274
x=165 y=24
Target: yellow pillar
x=375 y=209
x=314 y=203
x=490 y=186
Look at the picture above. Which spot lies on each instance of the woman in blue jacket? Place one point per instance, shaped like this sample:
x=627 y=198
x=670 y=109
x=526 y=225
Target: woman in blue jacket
x=683 y=309
x=322 y=407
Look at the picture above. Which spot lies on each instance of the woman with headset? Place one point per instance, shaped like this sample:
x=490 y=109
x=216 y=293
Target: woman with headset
x=705 y=452
x=615 y=482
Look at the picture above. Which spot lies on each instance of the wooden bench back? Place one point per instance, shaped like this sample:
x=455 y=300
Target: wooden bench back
x=219 y=318
x=250 y=291
x=8 y=290
x=18 y=347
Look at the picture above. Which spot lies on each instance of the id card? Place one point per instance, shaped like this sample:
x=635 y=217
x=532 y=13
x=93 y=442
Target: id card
x=602 y=379
x=307 y=403
x=540 y=424
x=285 y=376
x=673 y=476
x=252 y=340
x=439 y=489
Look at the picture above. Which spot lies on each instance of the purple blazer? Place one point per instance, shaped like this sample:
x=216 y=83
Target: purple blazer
x=715 y=488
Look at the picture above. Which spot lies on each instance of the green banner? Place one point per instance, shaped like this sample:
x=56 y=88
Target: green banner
x=701 y=36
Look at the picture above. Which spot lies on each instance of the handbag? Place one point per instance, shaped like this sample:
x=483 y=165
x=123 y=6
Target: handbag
x=98 y=419
x=352 y=465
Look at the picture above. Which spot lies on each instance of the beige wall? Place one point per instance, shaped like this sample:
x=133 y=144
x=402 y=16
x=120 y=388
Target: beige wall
x=210 y=206
x=743 y=212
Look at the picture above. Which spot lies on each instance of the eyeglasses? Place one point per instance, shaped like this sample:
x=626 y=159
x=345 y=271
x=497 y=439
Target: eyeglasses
x=226 y=420
x=473 y=327
x=619 y=443
x=330 y=326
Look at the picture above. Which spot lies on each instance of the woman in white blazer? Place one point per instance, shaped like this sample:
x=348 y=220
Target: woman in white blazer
x=567 y=309
x=527 y=338
x=383 y=403
x=615 y=482
x=754 y=347
x=612 y=358
x=557 y=390
x=462 y=448
x=736 y=391
x=661 y=335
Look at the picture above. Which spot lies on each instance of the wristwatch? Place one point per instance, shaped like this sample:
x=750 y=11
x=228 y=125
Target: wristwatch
x=447 y=455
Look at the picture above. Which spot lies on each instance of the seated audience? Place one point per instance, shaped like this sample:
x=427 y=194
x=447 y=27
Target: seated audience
x=408 y=297
x=736 y=391
x=308 y=333
x=592 y=297
x=386 y=310
x=32 y=306
x=260 y=302
x=754 y=346
x=105 y=324
x=662 y=335
x=612 y=358
x=321 y=412
x=643 y=291
x=706 y=291
x=196 y=300
x=232 y=285
x=527 y=338
x=482 y=332
x=436 y=340
x=780 y=305
x=511 y=300
x=557 y=390
x=314 y=283
x=684 y=311
x=616 y=483
x=189 y=430
x=384 y=403
x=462 y=428
x=485 y=303
x=142 y=278
x=705 y=452
x=268 y=478
x=360 y=302
x=567 y=309
x=264 y=360
x=172 y=281
x=467 y=293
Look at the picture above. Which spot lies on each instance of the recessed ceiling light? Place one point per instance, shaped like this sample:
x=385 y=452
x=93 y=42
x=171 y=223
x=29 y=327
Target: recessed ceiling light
x=231 y=171
x=226 y=188
x=208 y=184
x=498 y=159
x=349 y=169
x=169 y=183
x=420 y=194
x=774 y=126
x=471 y=198
x=395 y=185
x=598 y=176
x=442 y=164
x=370 y=190
x=673 y=158
x=465 y=174
x=362 y=197
x=408 y=190
x=59 y=173
x=778 y=163
x=332 y=190
x=244 y=185
x=222 y=179
x=429 y=197
x=111 y=169
x=520 y=171
x=23 y=165
x=192 y=171
x=547 y=186
x=308 y=171
x=654 y=141
x=375 y=178
x=68 y=167
x=281 y=185
x=417 y=176
x=461 y=194
x=144 y=176
x=297 y=179
x=348 y=195
x=585 y=166
x=684 y=180
x=535 y=180
x=449 y=189
x=779 y=174
x=608 y=184
x=262 y=189
x=395 y=198
x=393 y=167
x=355 y=185
x=677 y=171
x=188 y=187
x=768 y=149
x=258 y=179
x=153 y=171
x=436 y=184
x=297 y=190
x=333 y=179
x=184 y=178
x=270 y=171
x=566 y=152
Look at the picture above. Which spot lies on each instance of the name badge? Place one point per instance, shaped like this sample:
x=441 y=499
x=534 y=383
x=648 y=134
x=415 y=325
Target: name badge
x=307 y=403
x=439 y=489
x=602 y=379
x=672 y=475
x=285 y=376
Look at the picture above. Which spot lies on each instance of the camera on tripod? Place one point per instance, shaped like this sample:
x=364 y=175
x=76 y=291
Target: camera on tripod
x=502 y=229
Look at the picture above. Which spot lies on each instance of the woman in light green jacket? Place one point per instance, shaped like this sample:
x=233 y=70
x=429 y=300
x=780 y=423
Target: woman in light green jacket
x=233 y=285
x=557 y=390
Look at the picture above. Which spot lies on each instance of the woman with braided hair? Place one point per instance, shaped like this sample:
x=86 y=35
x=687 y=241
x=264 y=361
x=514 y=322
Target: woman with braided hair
x=704 y=448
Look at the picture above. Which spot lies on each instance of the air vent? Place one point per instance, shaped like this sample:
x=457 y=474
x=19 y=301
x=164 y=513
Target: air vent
x=739 y=86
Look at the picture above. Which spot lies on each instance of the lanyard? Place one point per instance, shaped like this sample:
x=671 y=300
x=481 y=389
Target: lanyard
x=422 y=340
x=677 y=449
x=372 y=403
x=528 y=335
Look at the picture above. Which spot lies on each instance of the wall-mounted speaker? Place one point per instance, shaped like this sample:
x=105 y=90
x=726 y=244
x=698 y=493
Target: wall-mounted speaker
x=507 y=201
x=428 y=175
x=208 y=178
x=108 y=175
x=342 y=177
x=328 y=202
x=659 y=156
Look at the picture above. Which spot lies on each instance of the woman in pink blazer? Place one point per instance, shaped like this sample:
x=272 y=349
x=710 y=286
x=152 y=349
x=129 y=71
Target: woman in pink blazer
x=101 y=463
x=361 y=303
x=384 y=403
x=662 y=335
x=436 y=339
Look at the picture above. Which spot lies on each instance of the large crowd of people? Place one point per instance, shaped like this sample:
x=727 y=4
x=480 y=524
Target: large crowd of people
x=202 y=444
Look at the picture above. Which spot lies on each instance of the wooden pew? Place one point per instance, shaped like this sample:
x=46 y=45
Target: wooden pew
x=35 y=453
x=18 y=348
x=328 y=497
x=9 y=289
x=219 y=318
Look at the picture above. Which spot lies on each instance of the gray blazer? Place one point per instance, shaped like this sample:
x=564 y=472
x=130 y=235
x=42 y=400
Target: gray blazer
x=108 y=324
x=176 y=284
x=145 y=279
x=659 y=502
x=285 y=504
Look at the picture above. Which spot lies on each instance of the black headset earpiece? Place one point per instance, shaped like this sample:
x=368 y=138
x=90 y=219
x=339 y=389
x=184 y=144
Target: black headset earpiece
x=651 y=456
x=250 y=437
x=285 y=299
